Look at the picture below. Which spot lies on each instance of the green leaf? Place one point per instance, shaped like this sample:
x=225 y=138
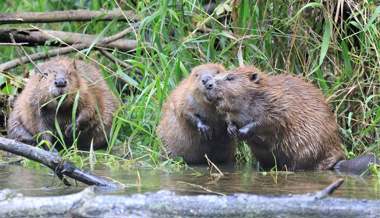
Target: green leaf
x=373 y=18
x=8 y=90
x=347 y=60
x=2 y=79
x=74 y=114
x=127 y=78
x=327 y=30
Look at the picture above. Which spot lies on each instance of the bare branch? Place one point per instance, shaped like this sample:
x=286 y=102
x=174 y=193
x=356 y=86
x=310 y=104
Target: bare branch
x=33 y=37
x=60 y=51
x=61 y=16
x=40 y=55
x=12 y=44
x=329 y=189
x=54 y=162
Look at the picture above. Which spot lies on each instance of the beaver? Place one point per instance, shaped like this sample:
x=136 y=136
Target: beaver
x=190 y=126
x=285 y=120
x=49 y=98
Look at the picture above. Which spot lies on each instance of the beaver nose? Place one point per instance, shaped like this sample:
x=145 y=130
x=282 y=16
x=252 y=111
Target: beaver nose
x=209 y=85
x=60 y=83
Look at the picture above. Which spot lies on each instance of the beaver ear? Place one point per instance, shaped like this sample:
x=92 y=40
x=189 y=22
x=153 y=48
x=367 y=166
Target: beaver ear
x=254 y=77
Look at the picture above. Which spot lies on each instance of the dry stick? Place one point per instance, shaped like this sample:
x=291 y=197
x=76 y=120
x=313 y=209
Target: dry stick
x=202 y=187
x=60 y=16
x=211 y=164
x=54 y=162
x=25 y=53
x=40 y=37
x=12 y=44
x=329 y=189
x=60 y=51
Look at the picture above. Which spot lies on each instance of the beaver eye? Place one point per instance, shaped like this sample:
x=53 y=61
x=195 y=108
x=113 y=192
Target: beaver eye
x=230 y=78
x=44 y=74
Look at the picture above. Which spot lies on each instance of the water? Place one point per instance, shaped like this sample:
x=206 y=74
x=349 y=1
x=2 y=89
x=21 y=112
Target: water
x=35 y=182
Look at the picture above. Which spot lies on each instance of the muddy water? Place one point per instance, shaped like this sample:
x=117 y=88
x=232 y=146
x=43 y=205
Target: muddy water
x=196 y=181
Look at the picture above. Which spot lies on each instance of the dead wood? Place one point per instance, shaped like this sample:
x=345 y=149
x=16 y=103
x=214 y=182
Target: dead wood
x=70 y=15
x=61 y=51
x=54 y=162
x=89 y=203
x=32 y=37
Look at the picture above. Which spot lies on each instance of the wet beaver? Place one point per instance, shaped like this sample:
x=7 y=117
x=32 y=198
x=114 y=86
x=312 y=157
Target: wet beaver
x=285 y=120
x=49 y=99
x=190 y=126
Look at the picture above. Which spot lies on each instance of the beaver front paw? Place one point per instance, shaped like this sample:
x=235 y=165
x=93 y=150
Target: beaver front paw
x=205 y=130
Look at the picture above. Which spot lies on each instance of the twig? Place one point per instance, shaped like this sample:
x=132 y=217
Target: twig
x=211 y=164
x=113 y=59
x=201 y=187
x=119 y=35
x=54 y=162
x=25 y=53
x=12 y=44
x=32 y=37
x=60 y=51
x=60 y=16
x=329 y=189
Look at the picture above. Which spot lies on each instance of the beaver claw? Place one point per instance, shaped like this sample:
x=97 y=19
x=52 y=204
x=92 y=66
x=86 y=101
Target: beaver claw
x=204 y=130
x=232 y=130
x=244 y=132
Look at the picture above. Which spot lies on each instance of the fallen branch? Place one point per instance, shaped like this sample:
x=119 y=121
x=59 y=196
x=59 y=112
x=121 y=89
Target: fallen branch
x=61 y=51
x=168 y=204
x=54 y=162
x=40 y=55
x=32 y=37
x=70 y=15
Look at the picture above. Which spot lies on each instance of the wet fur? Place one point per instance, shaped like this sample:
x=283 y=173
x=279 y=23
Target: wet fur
x=35 y=109
x=296 y=129
x=180 y=136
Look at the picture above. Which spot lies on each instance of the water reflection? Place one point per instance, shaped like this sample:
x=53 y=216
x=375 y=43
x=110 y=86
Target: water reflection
x=196 y=181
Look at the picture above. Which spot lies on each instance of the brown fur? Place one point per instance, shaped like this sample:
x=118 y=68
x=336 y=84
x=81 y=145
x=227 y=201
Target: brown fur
x=35 y=110
x=190 y=126
x=293 y=126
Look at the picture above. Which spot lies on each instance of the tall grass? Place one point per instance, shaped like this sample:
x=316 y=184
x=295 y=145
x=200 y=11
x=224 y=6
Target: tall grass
x=338 y=53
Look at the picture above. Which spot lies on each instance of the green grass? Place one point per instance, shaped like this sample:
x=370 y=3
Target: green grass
x=341 y=57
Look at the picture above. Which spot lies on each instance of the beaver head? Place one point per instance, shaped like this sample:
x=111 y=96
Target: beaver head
x=204 y=78
x=57 y=79
x=237 y=87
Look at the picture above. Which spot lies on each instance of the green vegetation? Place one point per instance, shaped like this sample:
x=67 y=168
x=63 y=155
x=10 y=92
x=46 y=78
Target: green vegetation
x=339 y=54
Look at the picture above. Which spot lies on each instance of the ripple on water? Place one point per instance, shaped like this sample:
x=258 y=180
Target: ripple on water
x=197 y=180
